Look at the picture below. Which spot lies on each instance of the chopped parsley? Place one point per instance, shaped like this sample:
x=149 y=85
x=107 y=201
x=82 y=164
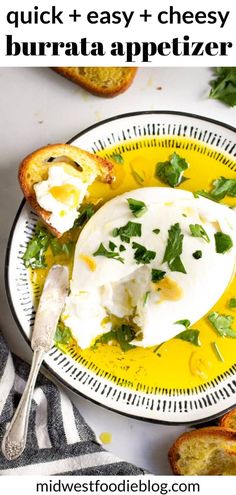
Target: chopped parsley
x=102 y=251
x=42 y=239
x=222 y=324
x=156 y=231
x=223 y=187
x=142 y=255
x=123 y=334
x=131 y=229
x=137 y=176
x=146 y=296
x=138 y=208
x=59 y=247
x=190 y=335
x=185 y=323
x=118 y=158
x=223 y=242
x=122 y=248
x=85 y=213
x=217 y=351
x=198 y=231
x=174 y=249
x=223 y=87
x=62 y=334
x=232 y=303
x=112 y=246
x=171 y=172
x=157 y=275
x=197 y=254
x=34 y=255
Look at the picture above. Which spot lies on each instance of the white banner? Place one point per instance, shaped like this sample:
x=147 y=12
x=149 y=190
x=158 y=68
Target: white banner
x=149 y=485
x=132 y=33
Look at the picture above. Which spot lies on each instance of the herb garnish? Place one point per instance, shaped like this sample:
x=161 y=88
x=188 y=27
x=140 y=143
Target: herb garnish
x=138 y=208
x=197 y=254
x=85 y=213
x=171 y=172
x=222 y=324
x=217 y=351
x=34 y=255
x=191 y=336
x=198 y=231
x=142 y=254
x=146 y=296
x=223 y=87
x=123 y=334
x=62 y=334
x=42 y=239
x=223 y=187
x=131 y=229
x=156 y=231
x=223 y=242
x=112 y=246
x=185 y=323
x=117 y=158
x=174 y=249
x=232 y=303
x=157 y=275
x=137 y=176
x=59 y=247
x=102 y=251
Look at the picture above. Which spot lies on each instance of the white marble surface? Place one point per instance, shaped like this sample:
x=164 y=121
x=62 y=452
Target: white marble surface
x=38 y=107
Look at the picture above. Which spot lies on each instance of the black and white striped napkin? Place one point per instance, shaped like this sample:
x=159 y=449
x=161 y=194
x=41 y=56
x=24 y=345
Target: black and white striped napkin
x=59 y=441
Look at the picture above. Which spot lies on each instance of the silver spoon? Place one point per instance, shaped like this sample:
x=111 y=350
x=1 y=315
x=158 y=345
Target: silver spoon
x=50 y=307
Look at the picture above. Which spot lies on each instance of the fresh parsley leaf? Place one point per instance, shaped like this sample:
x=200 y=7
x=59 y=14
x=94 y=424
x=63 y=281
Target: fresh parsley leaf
x=62 y=335
x=222 y=324
x=217 y=351
x=142 y=255
x=197 y=254
x=204 y=194
x=157 y=275
x=118 y=158
x=146 y=296
x=122 y=248
x=59 y=247
x=191 y=336
x=156 y=231
x=85 y=213
x=102 y=251
x=123 y=334
x=223 y=86
x=138 y=208
x=131 y=229
x=185 y=323
x=223 y=242
x=232 y=303
x=198 y=231
x=223 y=187
x=171 y=172
x=137 y=176
x=112 y=246
x=42 y=239
x=34 y=255
x=174 y=249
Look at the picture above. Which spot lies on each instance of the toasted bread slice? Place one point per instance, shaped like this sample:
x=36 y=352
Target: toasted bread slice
x=35 y=167
x=229 y=420
x=101 y=81
x=207 y=451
